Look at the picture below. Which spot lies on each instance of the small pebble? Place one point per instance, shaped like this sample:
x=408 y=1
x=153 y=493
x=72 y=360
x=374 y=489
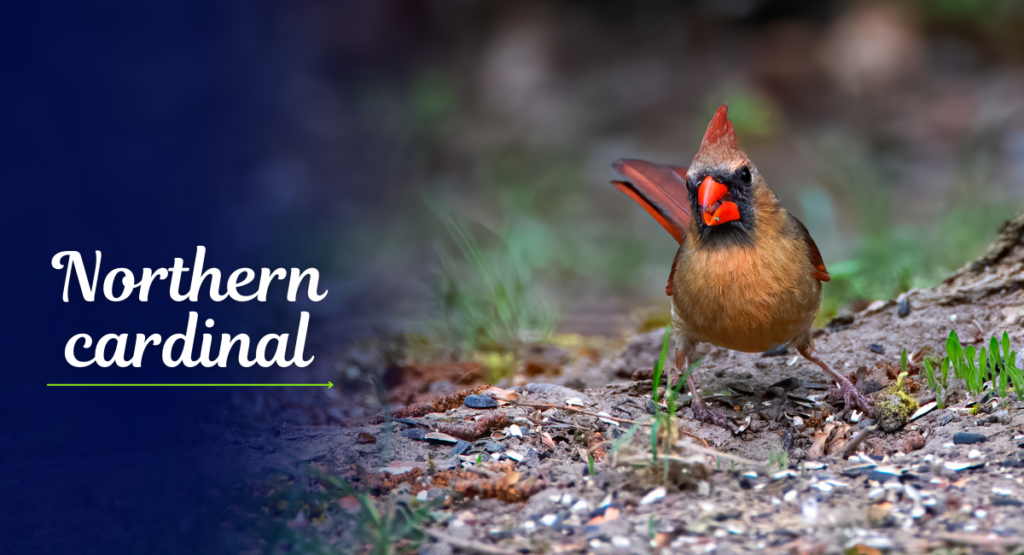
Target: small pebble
x=461 y=447
x=904 y=306
x=911 y=442
x=968 y=438
x=480 y=402
x=414 y=433
x=876 y=348
x=1002 y=501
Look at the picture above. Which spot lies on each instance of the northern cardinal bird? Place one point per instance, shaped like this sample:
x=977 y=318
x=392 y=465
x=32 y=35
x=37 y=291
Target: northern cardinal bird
x=747 y=275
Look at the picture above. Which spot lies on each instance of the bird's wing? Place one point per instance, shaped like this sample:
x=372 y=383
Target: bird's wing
x=820 y=273
x=660 y=190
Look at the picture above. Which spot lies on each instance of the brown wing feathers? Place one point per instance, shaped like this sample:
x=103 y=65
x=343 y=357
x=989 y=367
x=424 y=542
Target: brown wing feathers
x=660 y=191
x=820 y=273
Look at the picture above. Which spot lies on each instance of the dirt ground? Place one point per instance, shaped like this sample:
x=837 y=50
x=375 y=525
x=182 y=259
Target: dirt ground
x=519 y=479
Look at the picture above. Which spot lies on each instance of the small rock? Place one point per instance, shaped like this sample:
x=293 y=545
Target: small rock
x=903 y=303
x=968 y=438
x=364 y=438
x=461 y=447
x=1014 y=461
x=876 y=348
x=414 y=433
x=840 y=323
x=911 y=442
x=999 y=417
x=480 y=402
x=493 y=447
x=1002 y=501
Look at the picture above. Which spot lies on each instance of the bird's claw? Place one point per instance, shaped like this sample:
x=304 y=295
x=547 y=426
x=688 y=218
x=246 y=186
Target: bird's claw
x=703 y=413
x=852 y=398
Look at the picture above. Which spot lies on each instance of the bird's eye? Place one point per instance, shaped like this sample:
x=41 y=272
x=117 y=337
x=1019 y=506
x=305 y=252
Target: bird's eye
x=745 y=174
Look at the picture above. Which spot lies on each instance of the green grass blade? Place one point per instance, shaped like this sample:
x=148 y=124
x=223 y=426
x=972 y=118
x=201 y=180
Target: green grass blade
x=659 y=365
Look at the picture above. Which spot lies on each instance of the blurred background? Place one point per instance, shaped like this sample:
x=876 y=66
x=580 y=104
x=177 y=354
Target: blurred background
x=446 y=163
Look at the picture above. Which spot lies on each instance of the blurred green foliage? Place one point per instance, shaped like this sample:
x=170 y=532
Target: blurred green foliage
x=892 y=253
x=489 y=298
x=987 y=13
x=535 y=230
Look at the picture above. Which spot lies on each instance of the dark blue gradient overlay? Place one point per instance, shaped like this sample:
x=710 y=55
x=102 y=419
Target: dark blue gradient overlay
x=115 y=129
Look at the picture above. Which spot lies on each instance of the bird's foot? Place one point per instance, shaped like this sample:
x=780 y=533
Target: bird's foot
x=852 y=398
x=703 y=413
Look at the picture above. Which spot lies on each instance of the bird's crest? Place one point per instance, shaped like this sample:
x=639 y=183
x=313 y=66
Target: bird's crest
x=720 y=133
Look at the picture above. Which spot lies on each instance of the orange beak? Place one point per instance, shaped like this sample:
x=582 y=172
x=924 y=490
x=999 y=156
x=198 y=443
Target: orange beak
x=716 y=203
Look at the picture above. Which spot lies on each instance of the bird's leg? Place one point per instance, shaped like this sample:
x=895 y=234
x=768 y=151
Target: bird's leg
x=701 y=411
x=852 y=397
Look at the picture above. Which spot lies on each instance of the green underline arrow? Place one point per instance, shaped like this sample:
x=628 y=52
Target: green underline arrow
x=328 y=385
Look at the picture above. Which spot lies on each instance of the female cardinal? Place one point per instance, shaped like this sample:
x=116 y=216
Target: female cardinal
x=747 y=275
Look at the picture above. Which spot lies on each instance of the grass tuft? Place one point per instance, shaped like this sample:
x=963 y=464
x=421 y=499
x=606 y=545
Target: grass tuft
x=995 y=365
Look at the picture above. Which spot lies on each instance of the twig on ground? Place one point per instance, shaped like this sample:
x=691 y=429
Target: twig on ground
x=851 y=446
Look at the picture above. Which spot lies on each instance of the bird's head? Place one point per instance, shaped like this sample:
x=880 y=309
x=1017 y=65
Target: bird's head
x=721 y=182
